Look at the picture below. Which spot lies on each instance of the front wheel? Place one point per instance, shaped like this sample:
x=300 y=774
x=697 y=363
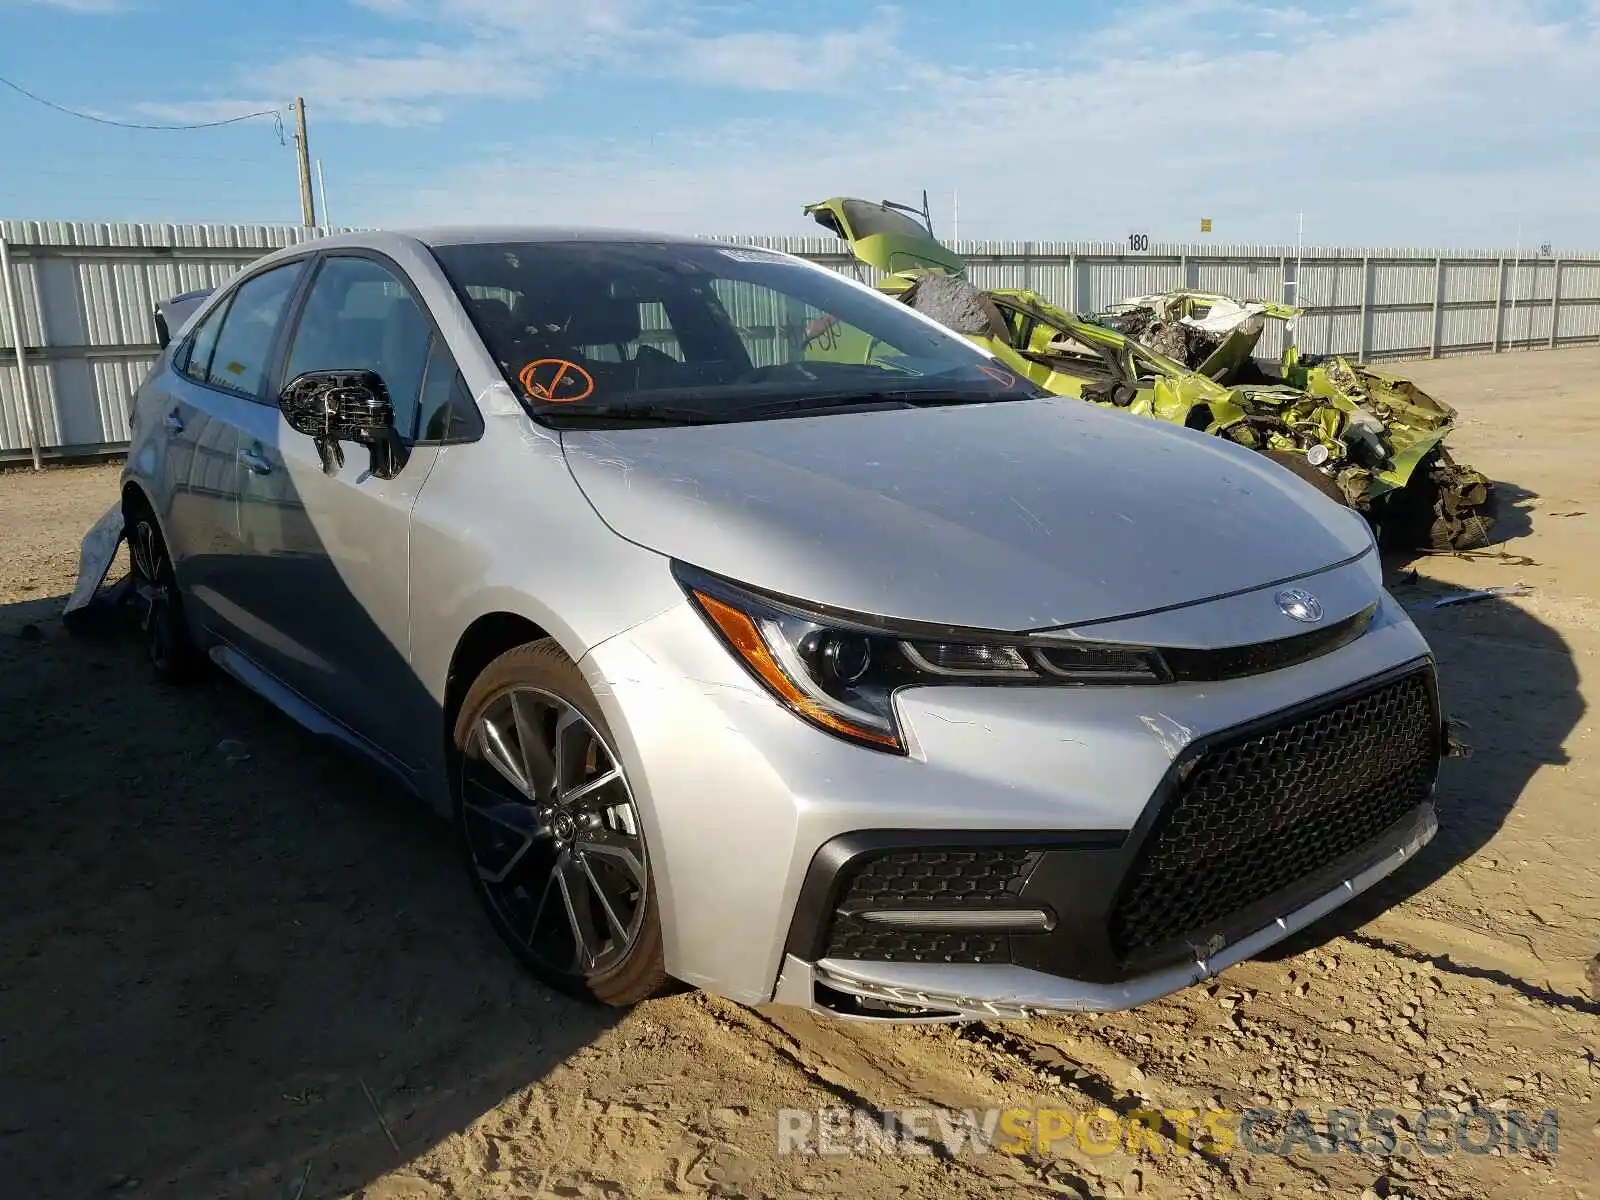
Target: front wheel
x=550 y=831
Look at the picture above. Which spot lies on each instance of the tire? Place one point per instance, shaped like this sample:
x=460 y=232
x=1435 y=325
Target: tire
x=562 y=871
x=158 y=602
x=1297 y=463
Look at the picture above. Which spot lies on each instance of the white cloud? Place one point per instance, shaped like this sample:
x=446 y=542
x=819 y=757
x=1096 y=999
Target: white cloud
x=781 y=62
x=1411 y=120
x=87 y=7
x=507 y=49
x=402 y=89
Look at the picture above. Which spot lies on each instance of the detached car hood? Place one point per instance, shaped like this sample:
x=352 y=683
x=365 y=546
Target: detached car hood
x=1009 y=516
x=882 y=236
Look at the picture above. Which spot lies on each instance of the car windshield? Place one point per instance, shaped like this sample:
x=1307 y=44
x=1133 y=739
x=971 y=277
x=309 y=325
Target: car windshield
x=576 y=325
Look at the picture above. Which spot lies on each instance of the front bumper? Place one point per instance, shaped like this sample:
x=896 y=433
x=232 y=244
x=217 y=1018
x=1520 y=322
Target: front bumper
x=738 y=797
x=932 y=992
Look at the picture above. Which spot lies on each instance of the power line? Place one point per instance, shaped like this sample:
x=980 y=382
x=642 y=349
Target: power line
x=275 y=113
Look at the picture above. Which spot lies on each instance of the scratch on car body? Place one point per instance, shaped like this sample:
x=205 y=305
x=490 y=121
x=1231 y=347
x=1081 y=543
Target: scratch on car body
x=1173 y=735
x=1031 y=515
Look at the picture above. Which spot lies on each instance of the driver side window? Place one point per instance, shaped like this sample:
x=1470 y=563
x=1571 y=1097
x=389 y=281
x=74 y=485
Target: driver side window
x=361 y=316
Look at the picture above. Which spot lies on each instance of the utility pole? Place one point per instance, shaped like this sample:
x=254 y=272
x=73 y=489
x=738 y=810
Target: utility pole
x=1299 y=259
x=322 y=192
x=1516 y=284
x=308 y=204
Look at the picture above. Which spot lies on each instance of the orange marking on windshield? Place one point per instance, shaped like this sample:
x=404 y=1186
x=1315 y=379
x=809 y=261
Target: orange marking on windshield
x=556 y=381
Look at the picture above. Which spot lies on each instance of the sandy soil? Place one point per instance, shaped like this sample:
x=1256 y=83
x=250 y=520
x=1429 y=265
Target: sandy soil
x=234 y=963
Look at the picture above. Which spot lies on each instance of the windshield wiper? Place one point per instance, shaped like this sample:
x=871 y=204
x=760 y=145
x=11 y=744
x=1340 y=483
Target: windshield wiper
x=852 y=400
x=652 y=414
x=868 y=399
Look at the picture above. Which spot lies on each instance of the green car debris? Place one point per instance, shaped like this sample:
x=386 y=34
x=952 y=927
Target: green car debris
x=1368 y=439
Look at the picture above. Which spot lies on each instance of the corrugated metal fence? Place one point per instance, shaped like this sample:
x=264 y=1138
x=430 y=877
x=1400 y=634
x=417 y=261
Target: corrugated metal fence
x=80 y=296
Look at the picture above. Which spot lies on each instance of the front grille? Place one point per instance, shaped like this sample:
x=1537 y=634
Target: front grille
x=1257 y=815
x=1234 y=662
x=964 y=878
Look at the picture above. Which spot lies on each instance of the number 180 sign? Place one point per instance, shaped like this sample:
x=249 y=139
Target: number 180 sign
x=1138 y=243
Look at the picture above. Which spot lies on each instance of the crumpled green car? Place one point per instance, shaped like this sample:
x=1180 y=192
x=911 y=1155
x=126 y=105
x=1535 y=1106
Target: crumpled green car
x=1369 y=440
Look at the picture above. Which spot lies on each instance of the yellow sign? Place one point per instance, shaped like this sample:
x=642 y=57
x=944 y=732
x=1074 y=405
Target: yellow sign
x=1205 y=224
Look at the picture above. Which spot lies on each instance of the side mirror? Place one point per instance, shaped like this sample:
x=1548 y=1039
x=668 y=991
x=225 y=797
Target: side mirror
x=332 y=407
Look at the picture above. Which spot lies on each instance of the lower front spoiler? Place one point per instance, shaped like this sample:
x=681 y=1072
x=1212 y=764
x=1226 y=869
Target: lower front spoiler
x=925 y=992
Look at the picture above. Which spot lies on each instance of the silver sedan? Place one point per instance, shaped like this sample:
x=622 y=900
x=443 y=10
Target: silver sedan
x=754 y=631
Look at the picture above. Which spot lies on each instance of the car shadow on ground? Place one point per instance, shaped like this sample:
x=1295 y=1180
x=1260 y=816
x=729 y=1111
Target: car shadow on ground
x=1513 y=682
x=229 y=955
x=1513 y=513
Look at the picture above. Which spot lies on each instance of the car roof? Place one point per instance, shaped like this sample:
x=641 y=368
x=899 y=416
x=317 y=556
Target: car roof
x=464 y=235
x=389 y=241
x=461 y=235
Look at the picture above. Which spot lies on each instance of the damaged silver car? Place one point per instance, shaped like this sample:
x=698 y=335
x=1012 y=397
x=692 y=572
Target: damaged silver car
x=895 y=688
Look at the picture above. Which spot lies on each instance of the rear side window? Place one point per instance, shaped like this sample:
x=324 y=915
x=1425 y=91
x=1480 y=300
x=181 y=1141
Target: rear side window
x=239 y=362
x=197 y=360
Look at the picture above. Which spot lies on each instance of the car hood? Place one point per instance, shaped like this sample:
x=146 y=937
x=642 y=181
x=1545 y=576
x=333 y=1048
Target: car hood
x=1014 y=515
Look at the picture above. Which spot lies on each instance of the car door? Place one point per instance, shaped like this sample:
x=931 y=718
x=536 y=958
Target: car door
x=330 y=546
x=216 y=379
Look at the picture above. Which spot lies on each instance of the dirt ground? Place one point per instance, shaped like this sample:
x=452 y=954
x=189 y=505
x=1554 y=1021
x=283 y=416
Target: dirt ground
x=234 y=963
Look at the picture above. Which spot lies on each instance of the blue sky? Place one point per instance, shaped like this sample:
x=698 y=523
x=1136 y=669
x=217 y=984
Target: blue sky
x=1391 y=122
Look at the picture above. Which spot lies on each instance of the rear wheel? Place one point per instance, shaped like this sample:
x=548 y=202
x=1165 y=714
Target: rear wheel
x=157 y=603
x=550 y=831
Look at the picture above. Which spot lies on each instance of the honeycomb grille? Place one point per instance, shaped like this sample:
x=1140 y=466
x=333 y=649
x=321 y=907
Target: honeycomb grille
x=946 y=878
x=1257 y=815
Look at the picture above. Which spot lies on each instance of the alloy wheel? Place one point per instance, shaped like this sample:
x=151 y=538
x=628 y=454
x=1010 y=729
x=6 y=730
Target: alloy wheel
x=553 y=833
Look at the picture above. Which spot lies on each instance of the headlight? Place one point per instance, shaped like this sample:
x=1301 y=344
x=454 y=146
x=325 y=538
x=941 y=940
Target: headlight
x=840 y=671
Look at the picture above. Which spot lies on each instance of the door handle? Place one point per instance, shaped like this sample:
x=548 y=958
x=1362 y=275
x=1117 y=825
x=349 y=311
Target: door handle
x=172 y=422
x=255 y=461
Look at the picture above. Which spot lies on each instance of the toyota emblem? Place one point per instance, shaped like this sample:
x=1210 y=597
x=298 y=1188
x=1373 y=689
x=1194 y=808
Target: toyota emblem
x=1299 y=605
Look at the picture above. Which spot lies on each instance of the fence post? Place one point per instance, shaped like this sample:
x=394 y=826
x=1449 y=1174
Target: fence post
x=1555 y=303
x=1499 y=302
x=1027 y=266
x=1074 y=302
x=24 y=392
x=1366 y=287
x=1438 y=305
x=1183 y=270
x=1290 y=333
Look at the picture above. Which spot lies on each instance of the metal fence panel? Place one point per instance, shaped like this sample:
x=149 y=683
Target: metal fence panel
x=1408 y=281
x=1579 y=323
x=85 y=293
x=1580 y=281
x=1465 y=282
x=1467 y=328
